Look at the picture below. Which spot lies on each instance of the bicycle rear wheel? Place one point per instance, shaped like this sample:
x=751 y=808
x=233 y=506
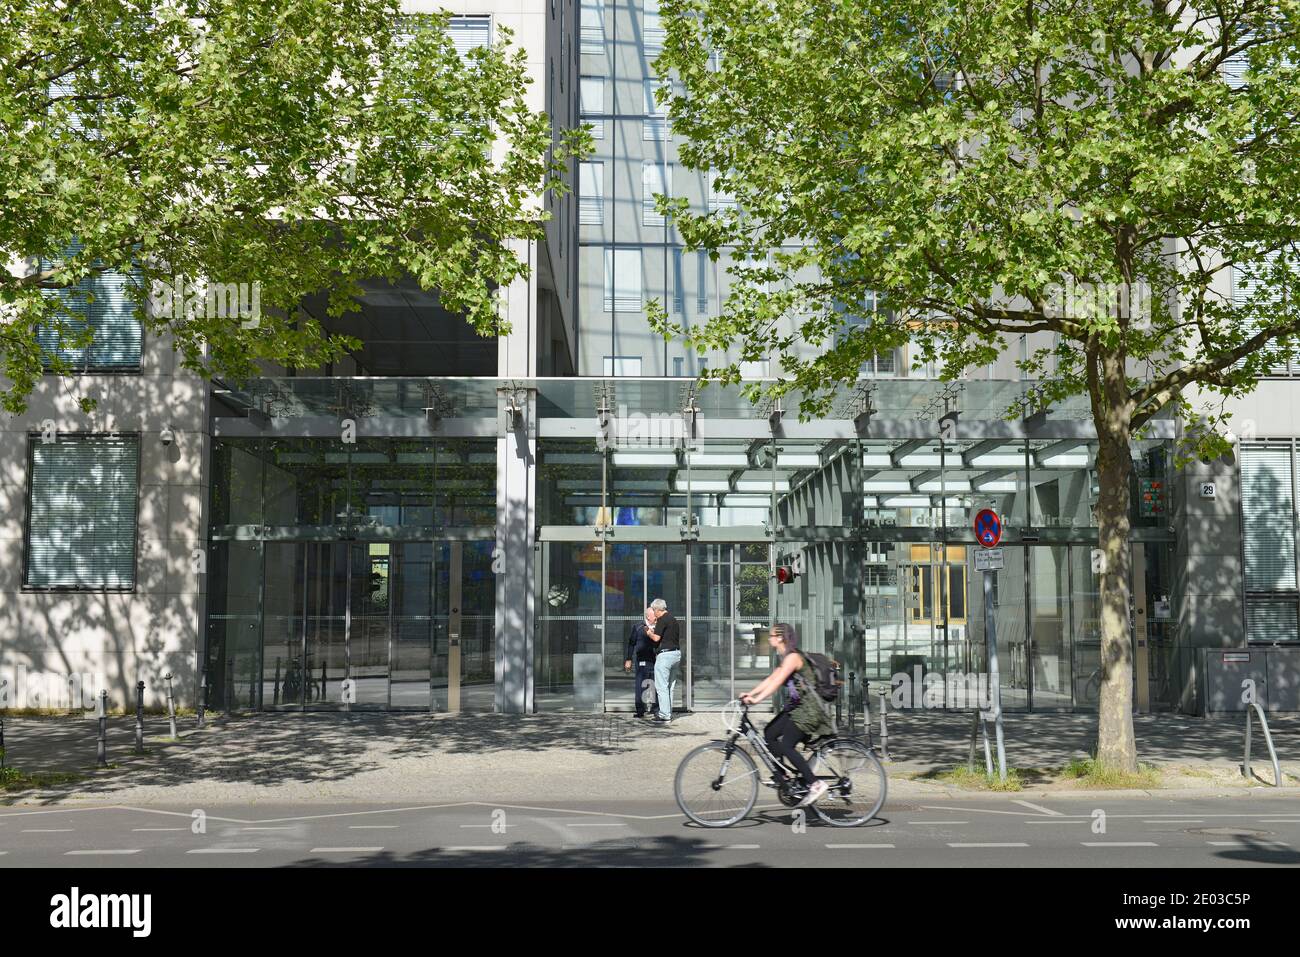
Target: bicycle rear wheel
x=714 y=788
x=857 y=783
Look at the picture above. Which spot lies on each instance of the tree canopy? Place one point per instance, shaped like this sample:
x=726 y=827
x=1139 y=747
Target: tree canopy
x=302 y=145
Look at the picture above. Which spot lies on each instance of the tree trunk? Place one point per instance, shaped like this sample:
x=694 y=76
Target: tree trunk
x=1116 y=746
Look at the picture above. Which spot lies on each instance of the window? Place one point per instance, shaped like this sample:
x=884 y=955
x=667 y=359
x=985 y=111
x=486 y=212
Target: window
x=678 y=362
x=652 y=33
x=862 y=315
x=470 y=32
x=702 y=264
x=1269 y=542
x=623 y=280
x=99 y=302
x=655 y=126
x=593 y=27
x=622 y=365
x=591 y=194
x=754 y=370
x=81 y=527
x=656 y=178
x=719 y=199
x=1249 y=285
x=592 y=98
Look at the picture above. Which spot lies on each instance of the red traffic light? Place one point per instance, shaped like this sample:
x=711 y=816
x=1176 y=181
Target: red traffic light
x=785 y=574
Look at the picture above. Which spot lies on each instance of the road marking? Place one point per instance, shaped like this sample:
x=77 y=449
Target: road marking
x=373 y=827
x=502 y=825
x=1119 y=844
x=224 y=850
x=1189 y=820
x=89 y=853
x=345 y=850
x=273 y=827
x=600 y=824
x=47 y=830
x=731 y=847
x=1059 y=820
x=134 y=829
x=1245 y=842
x=854 y=847
x=936 y=822
x=1289 y=820
x=475 y=847
x=1039 y=808
x=991 y=844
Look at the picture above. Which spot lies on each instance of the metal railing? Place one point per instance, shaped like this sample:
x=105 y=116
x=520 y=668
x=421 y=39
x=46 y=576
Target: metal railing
x=1268 y=739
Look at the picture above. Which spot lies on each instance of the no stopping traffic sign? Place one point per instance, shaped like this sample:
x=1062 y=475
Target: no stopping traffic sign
x=988 y=528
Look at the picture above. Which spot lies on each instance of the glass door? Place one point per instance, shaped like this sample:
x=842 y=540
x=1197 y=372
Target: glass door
x=369 y=649
x=712 y=628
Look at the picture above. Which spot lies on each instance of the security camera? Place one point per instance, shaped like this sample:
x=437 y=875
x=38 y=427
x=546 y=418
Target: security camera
x=166 y=437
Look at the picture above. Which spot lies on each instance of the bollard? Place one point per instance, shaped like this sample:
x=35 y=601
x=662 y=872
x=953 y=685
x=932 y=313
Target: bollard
x=102 y=757
x=853 y=724
x=203 y=696
x=171 y=704
x=323 y=679
x=2 y=742
x=139 y=717
x=884 y=730
x=275 y=695
x=230 y=685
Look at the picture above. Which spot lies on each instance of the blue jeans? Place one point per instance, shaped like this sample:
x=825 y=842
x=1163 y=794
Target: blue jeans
x=666 y=667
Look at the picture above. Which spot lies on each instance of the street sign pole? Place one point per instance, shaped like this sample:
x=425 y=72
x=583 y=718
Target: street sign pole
x=988 y=533
x=991 y=639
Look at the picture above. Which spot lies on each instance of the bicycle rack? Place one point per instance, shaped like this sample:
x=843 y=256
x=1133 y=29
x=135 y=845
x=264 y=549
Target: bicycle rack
x=1268 y=739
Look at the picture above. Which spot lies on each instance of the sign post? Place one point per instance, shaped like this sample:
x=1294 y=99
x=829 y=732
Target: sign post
x=988 y=532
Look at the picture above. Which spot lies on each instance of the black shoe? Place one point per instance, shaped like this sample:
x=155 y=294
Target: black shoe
x=658 y=720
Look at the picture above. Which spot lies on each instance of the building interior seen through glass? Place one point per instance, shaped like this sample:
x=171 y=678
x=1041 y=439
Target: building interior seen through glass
x=363 y=574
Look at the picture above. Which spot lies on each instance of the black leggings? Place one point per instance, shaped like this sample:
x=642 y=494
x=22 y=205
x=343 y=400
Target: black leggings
x=782 y=737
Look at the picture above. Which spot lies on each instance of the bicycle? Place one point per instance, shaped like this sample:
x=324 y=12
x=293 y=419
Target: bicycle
x=717 y=783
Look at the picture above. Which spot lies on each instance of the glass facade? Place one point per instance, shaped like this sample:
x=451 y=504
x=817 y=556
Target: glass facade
x=365 y=573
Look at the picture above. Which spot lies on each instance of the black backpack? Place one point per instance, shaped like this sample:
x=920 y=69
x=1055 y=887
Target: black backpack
x=827 y=671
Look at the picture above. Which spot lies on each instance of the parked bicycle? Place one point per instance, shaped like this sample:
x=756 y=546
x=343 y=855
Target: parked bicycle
x=717 y=783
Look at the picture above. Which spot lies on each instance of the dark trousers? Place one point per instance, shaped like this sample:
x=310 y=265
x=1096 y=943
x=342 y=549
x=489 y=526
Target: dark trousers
x=782 y=738
x=644 y=671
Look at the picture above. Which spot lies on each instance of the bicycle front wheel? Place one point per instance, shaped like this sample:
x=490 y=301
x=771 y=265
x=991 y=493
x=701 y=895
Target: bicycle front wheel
x=857 y=783
x=715 y=788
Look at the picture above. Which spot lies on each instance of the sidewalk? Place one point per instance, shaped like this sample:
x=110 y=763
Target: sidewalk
x=422 y=758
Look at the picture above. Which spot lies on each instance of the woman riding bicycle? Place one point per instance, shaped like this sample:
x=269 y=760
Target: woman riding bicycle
x=803 y=716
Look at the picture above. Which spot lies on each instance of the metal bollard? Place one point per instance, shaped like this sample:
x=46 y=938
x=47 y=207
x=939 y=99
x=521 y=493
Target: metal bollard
x=275 y=696
x=853 y=724
x=884 y=729
x=102 y=757
x=171 y=704
x=203 y=695
x=139 y=717
x=2 y=742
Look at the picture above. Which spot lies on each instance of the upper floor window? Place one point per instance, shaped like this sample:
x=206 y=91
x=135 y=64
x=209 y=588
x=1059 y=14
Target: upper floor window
x=97 y=306
x=591 y=94
x=623 y=280
x=591 y=194
x=592 y=27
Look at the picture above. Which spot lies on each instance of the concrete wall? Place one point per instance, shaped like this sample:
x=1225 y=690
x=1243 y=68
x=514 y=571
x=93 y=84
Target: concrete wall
x=154 y=628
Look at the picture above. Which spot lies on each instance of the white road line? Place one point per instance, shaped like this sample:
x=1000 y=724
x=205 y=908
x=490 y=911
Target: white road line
x=91 y=853
x=345 y=850
x=1058 y=820
x=224 y=850
x=274 y=827
x=47 y=830
x=854 y=847
x=490 y=825
x=991 y=844
x=934 y=822
x=1039 y=808
x=731 y=847
x=135 y=829
x=1265 y=820
x=373 y=827
x=599 y=824
x=1119 y=844
x=1189 y=820
x=1246 y=843
x=475 y=847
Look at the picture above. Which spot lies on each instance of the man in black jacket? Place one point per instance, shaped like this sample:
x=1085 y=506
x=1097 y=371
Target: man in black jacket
x=641 y=652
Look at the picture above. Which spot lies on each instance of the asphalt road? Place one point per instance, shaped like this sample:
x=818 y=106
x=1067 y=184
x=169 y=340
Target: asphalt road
x=1234 y=831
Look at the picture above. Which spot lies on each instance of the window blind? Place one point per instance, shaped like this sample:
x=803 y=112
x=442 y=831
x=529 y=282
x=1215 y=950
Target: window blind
x=1271 y=620
x=1268 y=519
x=82 y=526
x=591 y=194
x=592 y=23
x=655 y=178
x=470 y=32
x=99 y=301
x=623 y=280
x=592 y=95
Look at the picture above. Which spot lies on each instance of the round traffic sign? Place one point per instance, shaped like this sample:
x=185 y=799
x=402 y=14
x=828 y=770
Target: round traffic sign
x=988 y=528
